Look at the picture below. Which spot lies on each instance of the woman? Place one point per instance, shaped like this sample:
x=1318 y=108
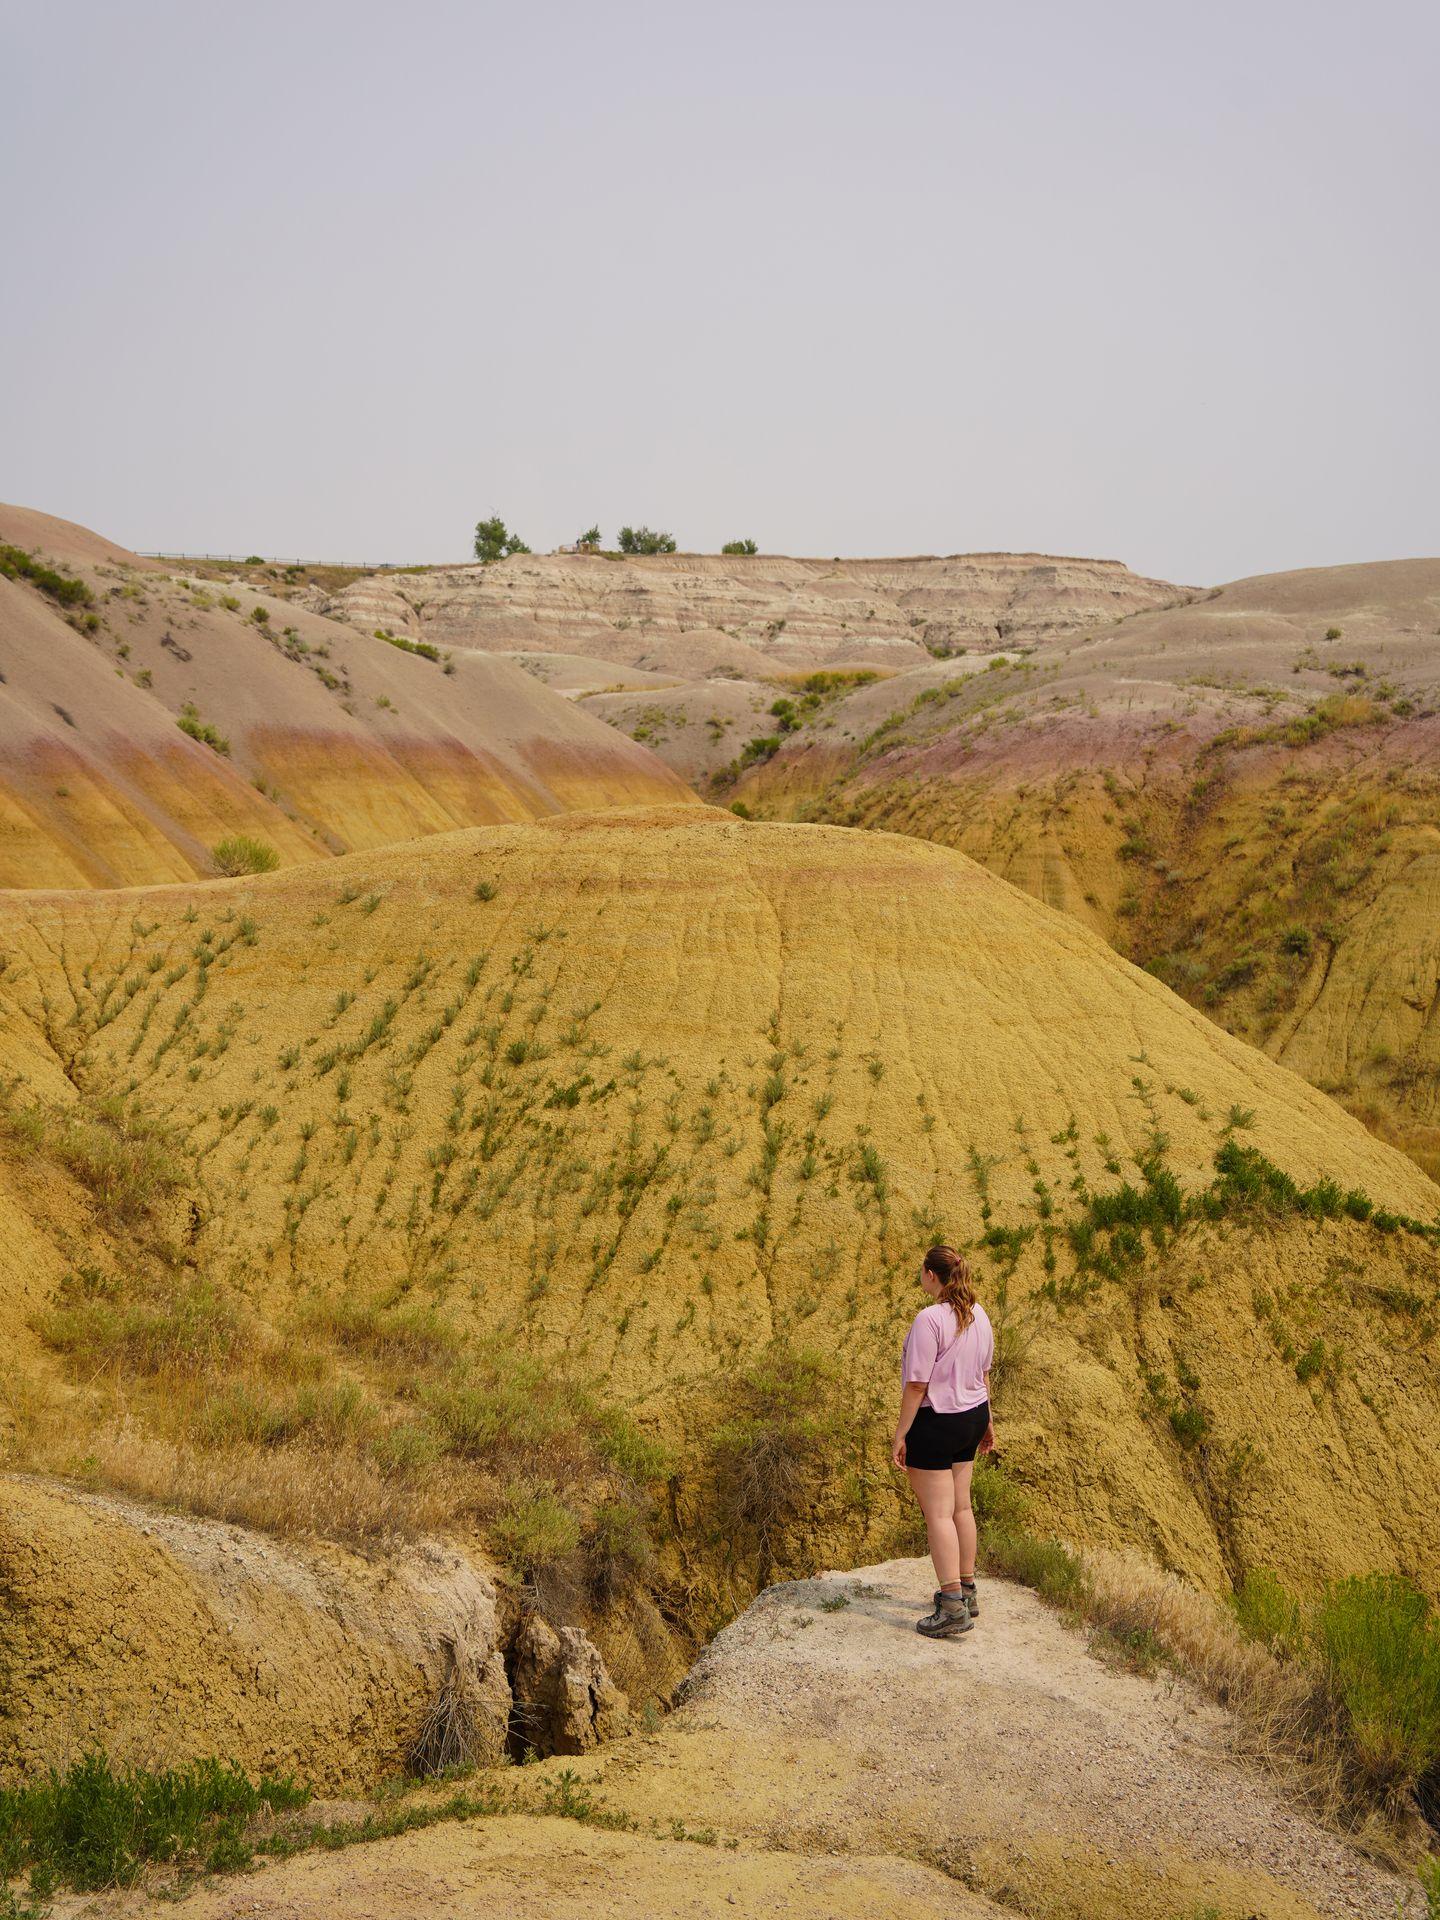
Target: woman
x=944 y=1422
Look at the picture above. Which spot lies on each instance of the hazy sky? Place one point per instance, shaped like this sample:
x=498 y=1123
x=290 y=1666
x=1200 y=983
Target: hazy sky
x=1152 y=280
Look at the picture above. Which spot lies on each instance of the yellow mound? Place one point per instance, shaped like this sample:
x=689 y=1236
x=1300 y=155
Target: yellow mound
x=641 y=1092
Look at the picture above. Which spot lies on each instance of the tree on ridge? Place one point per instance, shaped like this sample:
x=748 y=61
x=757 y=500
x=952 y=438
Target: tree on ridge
x=493 y=540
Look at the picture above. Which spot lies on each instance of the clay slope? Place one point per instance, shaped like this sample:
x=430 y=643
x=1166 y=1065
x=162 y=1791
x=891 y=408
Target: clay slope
x=1242 y=794
x=647 y=1091
x=749 y=615
x=304 y=733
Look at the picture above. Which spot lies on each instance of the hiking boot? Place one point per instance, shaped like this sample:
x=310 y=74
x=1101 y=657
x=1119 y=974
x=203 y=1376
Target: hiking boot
x=950 y=1618
x=967 y=1593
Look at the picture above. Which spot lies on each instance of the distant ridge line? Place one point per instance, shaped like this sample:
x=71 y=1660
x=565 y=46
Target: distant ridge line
x=799 y=559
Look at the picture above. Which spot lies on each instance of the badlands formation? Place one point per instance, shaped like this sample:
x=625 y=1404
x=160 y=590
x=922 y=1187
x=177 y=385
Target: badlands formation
x=1241 y=793
x=1238 y=787
x=446 y=1280
x=301 y=732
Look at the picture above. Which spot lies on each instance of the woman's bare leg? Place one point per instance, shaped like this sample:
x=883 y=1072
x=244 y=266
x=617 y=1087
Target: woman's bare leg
x=936 y=1494
x=961 y=1474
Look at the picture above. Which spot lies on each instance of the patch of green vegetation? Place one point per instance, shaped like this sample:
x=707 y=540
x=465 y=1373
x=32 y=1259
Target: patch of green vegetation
x=781 y=1427
x=189 y=721
x=1109 y=1236
x=493 y=540
x=645 y=540
x=126 y=1160
x=762 y=747
x=16 y=564
x=181 y=1332
x=1372 y=1643
x=426 y=649
x=534 y=1529
x=96 y=1825
x=1334 y=712
x=242 y=853
x=833 y=680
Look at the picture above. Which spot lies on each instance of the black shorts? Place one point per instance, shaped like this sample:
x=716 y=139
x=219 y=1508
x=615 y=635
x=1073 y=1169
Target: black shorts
x=940 y=1440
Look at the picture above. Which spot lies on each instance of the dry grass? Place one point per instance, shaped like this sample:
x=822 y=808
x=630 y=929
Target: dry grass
x=451 y=1735
x=1287 y=1717
x=293 y=1491
x=358 y=1420
x=187 y=1331
x=125 y=1159
x=401 y=1335
x=1420 y=1141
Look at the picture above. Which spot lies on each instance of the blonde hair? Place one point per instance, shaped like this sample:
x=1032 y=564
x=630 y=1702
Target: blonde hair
x=952 y=1270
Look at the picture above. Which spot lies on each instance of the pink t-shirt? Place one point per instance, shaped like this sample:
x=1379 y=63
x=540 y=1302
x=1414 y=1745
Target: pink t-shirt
x=955 y=1365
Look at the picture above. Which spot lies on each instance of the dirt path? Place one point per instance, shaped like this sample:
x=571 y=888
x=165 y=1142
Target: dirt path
x=845 y=1765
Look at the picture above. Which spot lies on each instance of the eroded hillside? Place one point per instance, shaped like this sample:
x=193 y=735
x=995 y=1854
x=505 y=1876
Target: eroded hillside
x=1242 y=794
x=748 y=615
x=146 y=717
x=650 y=1092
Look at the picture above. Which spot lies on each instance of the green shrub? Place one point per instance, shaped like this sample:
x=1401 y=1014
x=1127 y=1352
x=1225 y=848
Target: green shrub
x=511 y=1405
x=417 y=1336
x=997 y=1501
x=424 y=648
x=534 y=1528
x=645 y=540
x=16 y=564
x=189 y=721
x=96 y=1826
x=1189 y=1425
x=778 y=1436
x=739 y=546
x=1379 y=1638
x=240 y=1414
x=242 y=853
x=1312 y=1361
x=189 y=1331
x=409 y=1447
x=1266 y=1612
x=635 y=1455
x=760 y=748
x=1050 y=1568
x=617 y=1544
x=1373 y=1645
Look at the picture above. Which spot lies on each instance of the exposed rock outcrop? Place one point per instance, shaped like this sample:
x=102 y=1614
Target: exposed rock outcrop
x=164 y=1638
x=750 y=614
x=565 y=1701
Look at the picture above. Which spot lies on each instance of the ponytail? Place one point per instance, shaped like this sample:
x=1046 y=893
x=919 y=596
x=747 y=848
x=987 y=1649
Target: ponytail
x=952 y=1270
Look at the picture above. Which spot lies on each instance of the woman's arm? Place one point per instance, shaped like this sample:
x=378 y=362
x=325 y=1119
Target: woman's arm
x=911 y=1395
x=987 y=1439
